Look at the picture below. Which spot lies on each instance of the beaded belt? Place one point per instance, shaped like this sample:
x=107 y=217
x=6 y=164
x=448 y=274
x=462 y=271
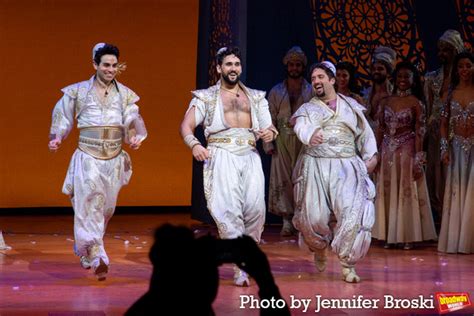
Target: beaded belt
x=229 y=140
x=335 y=141
x=465 y=142
x=283 y=124
x=393 y=142
x=101 y=142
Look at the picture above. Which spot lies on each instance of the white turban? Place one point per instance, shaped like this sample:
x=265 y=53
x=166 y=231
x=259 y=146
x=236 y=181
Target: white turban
x=453 y=38
x=96 y=48
x=385 y=54
x=330 y=65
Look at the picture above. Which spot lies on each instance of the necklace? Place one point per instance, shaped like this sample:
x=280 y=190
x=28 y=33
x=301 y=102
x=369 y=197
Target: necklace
x=106 y=88
x=236 y=93
x=403 y=93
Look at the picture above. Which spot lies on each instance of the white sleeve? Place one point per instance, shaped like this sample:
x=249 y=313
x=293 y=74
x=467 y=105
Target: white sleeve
x=199 y=110
x=305 y=124
x=264 y=117
x=63 y=117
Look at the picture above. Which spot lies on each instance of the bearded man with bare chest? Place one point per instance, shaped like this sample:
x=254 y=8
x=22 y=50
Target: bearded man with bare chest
x=234 y=117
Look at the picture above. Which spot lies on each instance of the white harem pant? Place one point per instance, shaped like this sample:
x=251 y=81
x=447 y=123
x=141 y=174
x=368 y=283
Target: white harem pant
x=234 y=186
x=335 y=205
x=93 y=186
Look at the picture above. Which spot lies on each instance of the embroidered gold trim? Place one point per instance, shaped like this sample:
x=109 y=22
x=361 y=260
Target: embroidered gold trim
x=229 y=140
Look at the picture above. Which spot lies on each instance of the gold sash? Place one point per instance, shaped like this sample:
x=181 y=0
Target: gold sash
x=101 y=142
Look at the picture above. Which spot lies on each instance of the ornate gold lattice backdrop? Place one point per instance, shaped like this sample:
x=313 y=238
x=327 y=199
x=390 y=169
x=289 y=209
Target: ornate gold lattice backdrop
x=350 y=30
x=221 y=33
x=465 y=12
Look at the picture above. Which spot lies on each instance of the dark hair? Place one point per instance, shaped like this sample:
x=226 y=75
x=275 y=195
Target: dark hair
x=226 y=51
x=322 y=66
x=107 y=49
x=416 y=88
x=350 y=68
x=454 y=70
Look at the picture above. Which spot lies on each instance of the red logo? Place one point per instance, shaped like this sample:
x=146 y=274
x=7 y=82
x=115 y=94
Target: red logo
x=450 y=302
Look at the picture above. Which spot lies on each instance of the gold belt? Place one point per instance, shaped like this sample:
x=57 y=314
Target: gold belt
x=335 y=141
x=101 y=142
x=228 y=140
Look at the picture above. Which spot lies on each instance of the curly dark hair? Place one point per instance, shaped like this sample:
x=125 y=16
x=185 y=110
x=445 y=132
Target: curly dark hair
x=322 y=66
x=226 y=52
x=350 y=68
x=417 y=89
x=107 y=49
x=454 y=70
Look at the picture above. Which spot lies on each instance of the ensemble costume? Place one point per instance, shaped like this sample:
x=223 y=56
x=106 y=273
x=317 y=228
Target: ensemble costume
x=286 y=146
x=457 y=233
x=233 y=177
x=334 y=194
x=99 y=167
x=436 y=171
x=234 y=184
x=403 y=212
x=387 y=56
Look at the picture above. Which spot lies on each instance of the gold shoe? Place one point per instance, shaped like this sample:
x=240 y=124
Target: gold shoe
x=320 y=259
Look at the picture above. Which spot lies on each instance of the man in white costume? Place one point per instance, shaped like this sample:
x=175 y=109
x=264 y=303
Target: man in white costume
x=333 y=192
x=234 y=117
x=106 y=115
x=285 y=99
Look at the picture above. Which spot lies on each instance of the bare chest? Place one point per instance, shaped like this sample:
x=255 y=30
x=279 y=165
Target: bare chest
x=234 y=104
x=377 y=97
x=236 y=110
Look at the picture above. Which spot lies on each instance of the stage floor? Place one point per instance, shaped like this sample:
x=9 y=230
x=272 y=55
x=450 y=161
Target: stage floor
x=41 y=276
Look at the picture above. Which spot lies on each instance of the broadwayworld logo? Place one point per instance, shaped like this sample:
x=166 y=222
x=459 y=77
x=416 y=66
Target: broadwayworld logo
x=450 y=302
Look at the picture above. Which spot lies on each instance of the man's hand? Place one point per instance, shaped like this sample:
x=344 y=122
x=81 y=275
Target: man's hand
x=317 y=138
x=200 y=153
x=371 y=164
x=135 y=143
x=266 y=135
x=54 y=144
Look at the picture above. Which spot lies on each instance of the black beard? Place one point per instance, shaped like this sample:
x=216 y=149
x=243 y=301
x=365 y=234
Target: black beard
x=231 y=82
x=379 y=79
x=293 y=76
x=322 y=94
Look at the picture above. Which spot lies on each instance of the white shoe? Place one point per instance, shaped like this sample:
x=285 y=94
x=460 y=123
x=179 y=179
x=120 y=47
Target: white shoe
x=85 y=262
x=349 y=275
x=241 y=278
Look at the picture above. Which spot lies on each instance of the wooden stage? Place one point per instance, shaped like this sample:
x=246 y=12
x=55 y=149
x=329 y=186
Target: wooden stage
x=41 y=276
